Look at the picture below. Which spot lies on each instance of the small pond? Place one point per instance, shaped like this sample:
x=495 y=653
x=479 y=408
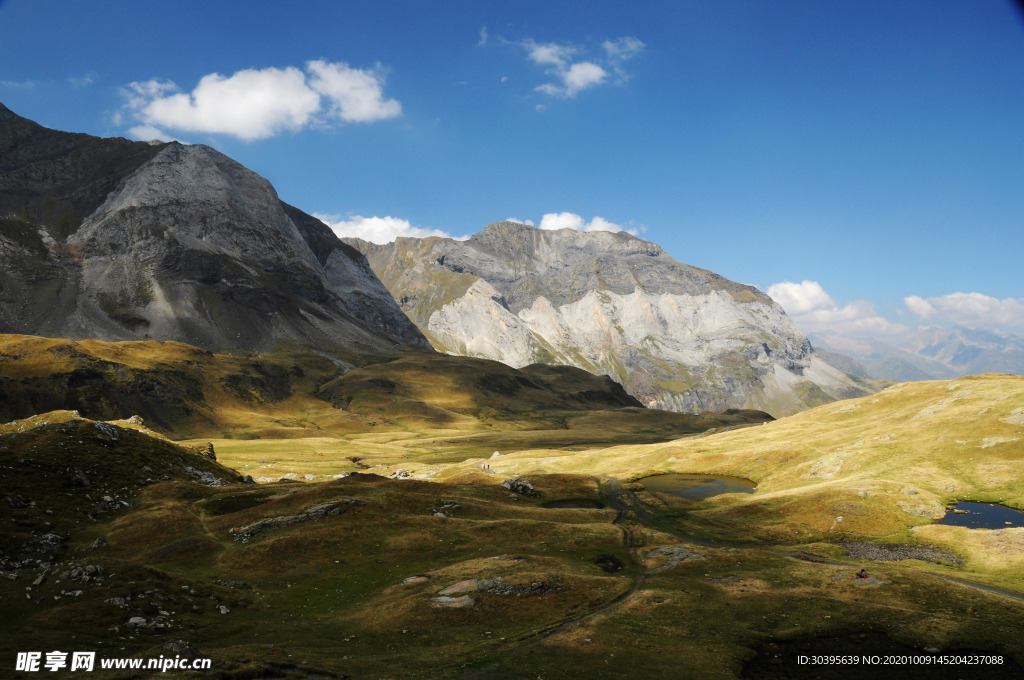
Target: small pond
x=975 y=515
x=696 y=487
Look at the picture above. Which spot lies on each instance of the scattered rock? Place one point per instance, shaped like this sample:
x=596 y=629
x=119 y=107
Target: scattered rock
x=47 y=544
x=468 y=586
x=892 y=552
x=314 y=512
x=453 y=602
x=203 y=477
x=400 y=474
x=675 y=554
x=927 y=507
x=107 y=430
x=223 y=610
x=527 y=589
x=83 y=573
x=520 y=486
x=234 y=584
x=137 y=622
x=415 y=580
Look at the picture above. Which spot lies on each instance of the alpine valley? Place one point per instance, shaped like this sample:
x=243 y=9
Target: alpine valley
x=231 y=440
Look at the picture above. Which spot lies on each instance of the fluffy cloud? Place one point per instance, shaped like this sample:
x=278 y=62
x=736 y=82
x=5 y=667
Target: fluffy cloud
x=353 y=95
x=572 y=77
x=800 y=298
x=975 y=310
x=813 y=310
x=376 y=229
x=568 y=220
x=919 y=307
x=259 y=103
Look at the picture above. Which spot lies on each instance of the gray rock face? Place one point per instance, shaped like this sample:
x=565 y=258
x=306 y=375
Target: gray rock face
x=117 y=240
x=677 y=337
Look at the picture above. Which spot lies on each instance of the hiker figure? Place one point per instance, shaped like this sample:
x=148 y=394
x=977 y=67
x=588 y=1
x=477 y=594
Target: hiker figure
x=862 y=574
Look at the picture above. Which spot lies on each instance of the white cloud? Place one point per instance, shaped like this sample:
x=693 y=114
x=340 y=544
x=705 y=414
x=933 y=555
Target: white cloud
x=548 y=54
x=519 y=221
x=568 y=220
x=149 y=133
x=919 y=306
x=376 y=229
x=581 y=76
x=800 y=298
x=84 y=81
x=256 y=104
x=812 y=309
x=975 y=310
x=572 y=77
x=483 y=37
x=355 y=95
x=624 y=48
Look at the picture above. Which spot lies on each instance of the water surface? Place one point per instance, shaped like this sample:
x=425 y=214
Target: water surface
x=983 y=516
x=696 y=487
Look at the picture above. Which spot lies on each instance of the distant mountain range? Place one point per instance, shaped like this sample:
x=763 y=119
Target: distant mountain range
x=676 y=336
x=119 y=240
x=933 y=353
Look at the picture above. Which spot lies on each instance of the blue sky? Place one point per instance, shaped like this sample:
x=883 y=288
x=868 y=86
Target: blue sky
x=871 y=154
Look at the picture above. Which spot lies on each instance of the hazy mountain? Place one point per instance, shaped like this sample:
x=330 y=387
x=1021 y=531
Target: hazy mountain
x=933 y=353
x=676 y=336
x=119 y=240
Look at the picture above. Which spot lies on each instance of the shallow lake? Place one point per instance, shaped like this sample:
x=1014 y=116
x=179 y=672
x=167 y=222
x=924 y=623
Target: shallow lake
x=696 y=487
x=983 y=516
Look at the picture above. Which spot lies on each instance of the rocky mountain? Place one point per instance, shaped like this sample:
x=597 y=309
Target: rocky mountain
x=119 y=240
x=677 y=337
x=933 y=353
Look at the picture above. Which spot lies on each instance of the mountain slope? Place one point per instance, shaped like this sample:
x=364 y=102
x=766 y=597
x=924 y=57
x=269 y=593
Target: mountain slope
x=119 y=240
x=187 y=392
x=933 y=352
x=676 y=336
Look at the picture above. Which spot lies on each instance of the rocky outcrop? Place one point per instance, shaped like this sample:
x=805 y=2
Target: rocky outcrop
x=119 y=240
x=676 y=336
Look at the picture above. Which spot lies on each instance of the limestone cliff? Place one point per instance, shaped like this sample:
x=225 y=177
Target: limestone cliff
x=119 y=240
x=678 y=337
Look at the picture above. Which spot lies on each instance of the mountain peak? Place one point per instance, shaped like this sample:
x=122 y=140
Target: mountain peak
x=119 y=240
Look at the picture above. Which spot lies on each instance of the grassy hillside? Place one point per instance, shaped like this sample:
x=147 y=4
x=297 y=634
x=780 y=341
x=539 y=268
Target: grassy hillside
x=878 y=467
x=349 y=578
x=256 y=406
